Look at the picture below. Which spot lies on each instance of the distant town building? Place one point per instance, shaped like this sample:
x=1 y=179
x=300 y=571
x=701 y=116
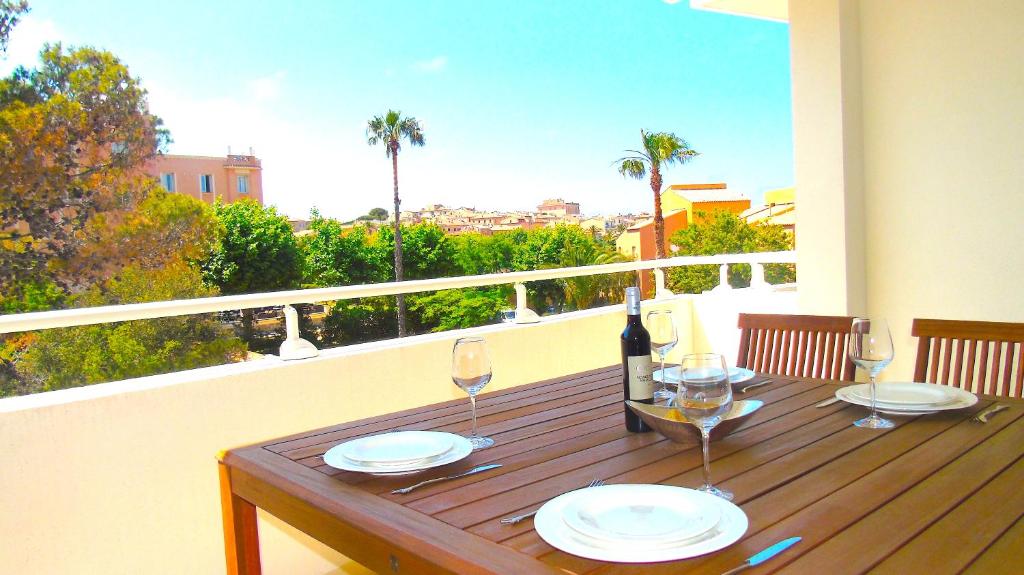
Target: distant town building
x=699 y=199
x=209 y=178
x=559 y=207
x=779 y=209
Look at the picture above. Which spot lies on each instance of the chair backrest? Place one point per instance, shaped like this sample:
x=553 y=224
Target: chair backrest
x=979 y=356
x=797 y=345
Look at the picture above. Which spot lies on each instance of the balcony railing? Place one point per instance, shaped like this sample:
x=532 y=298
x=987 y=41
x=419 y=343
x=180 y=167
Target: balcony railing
x=240 y=161
x=117 y=313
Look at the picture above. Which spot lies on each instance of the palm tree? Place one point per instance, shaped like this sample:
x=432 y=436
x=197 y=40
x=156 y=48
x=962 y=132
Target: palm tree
x=390 y=129
x=582 y=292
x=659 y=149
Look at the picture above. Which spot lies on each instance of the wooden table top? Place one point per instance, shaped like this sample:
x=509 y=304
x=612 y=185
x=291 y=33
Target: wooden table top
x=936 y=494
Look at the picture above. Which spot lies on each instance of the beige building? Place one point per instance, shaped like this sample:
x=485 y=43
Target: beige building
x=210 y=178
x=559 y=207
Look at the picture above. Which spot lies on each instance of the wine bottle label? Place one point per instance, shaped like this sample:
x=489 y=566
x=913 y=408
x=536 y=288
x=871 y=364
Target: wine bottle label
x=641 y=377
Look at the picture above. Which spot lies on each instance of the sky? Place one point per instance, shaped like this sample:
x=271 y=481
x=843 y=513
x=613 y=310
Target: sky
x=519 y=101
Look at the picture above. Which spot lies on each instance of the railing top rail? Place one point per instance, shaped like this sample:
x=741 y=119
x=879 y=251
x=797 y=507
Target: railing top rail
x=115 y=313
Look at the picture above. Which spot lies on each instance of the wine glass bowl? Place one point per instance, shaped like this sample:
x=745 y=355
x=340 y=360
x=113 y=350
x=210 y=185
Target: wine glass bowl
x=664 y=337
x=871 y=349
x=471 y=371
x=704 y=396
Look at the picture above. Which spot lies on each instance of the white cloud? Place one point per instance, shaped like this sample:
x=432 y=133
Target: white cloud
x=267 y=88
x=433 y=65
x=26 y=41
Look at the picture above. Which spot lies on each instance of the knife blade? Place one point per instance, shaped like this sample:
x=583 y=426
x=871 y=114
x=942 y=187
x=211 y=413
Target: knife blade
x=476 y=469
x=827 y=402
x=762 y=556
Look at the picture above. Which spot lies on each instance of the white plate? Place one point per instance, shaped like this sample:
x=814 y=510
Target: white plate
x=552 y=528
x=960 y=399
x=736 y=375
x=398 y=448
x=636 y=513
x=905 y=394
x=461 y=447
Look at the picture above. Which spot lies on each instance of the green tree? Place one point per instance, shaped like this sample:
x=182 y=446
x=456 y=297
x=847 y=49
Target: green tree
x=70 y=357
x=10 y=13
x=583 y=292
x=427 y=251
x=73 y=133
x=659 y=150
x=460 y=308
x=258 y=253
x=336 y=256
x=726 y=233
x=389 y=130
x=377 y=214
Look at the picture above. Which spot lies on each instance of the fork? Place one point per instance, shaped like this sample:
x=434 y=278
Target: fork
x=517 y=518
x=984 y=415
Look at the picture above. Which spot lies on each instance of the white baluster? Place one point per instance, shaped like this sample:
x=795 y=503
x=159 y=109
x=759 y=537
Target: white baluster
x=757 y=277
x=723 y=279
x=523 y=313
x=660 y=291
x=294 y=347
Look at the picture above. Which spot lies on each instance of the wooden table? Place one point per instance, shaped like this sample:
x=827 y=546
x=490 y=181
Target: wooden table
x=936 y=494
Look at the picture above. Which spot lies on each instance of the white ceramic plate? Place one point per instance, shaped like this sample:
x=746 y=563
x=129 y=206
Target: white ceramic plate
x=461 y=447
x=637 y=513
x=906 y=394
x=398 y=448
x=553 y=529
x=960 y=399
x=736 y=375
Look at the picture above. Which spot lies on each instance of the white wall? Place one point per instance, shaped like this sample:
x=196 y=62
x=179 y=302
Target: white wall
x=941 y=102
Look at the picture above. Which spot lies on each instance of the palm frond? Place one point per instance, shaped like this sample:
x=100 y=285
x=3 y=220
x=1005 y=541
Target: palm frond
x=633 y=168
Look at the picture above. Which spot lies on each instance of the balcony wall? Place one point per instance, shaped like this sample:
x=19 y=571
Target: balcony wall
x=121 y=477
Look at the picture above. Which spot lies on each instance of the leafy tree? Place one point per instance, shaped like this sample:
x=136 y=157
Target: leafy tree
x=726 y=233
x=73 y=133
x=427 y=251
x=359 y=321
x=461 y=308
x=659 y=149
x=10 y=13
x=390 y=129
x=258 y=253
x=70 y=357
x=335 y=256
x=583 y=292
x=378 y=214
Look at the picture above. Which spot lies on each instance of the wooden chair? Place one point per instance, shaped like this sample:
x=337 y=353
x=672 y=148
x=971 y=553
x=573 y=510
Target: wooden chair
x=796 y=345
x=979 y=356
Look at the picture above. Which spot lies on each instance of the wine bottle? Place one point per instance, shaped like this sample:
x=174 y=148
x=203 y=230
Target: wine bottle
x=637 y=369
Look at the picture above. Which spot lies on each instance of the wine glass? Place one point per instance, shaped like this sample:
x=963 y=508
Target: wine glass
x=662 y=327
x=471 y=370
x=704 y=396
x=871 y=349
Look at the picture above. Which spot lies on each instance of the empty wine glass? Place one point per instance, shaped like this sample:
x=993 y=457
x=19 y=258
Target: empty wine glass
x=471 y=370
x=871 y=349
x=704 y=396
x=662 y=327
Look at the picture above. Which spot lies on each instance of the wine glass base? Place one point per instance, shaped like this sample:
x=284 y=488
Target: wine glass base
x=874 y=422
x=664 y=394
x=479 y=442
x=724 y=494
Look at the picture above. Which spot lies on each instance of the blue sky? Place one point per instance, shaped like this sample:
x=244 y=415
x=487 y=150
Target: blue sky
x=520 y=101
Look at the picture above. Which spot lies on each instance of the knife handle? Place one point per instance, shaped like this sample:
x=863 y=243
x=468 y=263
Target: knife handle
x=745 y=565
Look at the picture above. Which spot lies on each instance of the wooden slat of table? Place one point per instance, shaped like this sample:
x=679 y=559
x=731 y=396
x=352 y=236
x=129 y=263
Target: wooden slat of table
x=795 y=469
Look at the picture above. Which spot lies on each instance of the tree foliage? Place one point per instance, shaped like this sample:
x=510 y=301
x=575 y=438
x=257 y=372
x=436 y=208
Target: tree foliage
x=72 y=134
x=61 y=358
x=726 y=233
x=258 y=252
x=10 y=12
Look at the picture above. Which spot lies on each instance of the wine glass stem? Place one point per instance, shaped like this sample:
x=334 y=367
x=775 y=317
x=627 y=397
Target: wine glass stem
x=874 y=413
x=664 y=379
x=472 y=403
x=705 y=435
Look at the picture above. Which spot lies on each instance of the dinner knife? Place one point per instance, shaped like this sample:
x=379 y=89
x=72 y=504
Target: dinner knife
x=765 y=555
x=476 y=469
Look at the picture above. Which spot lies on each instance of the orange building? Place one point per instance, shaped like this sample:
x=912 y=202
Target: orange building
x=637 y=242
x=209 y=178
x=698 y=199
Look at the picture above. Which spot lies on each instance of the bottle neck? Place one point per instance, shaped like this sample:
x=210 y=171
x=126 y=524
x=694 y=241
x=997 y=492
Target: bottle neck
x=633 y=319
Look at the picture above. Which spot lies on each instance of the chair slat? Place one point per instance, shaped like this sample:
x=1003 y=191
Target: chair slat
x=975 y=350
x=959 y=363
x=969 y=373
x=797 y=345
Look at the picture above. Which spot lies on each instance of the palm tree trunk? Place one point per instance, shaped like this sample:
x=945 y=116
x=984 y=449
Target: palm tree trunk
x=398 y=241
x=659 y=221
